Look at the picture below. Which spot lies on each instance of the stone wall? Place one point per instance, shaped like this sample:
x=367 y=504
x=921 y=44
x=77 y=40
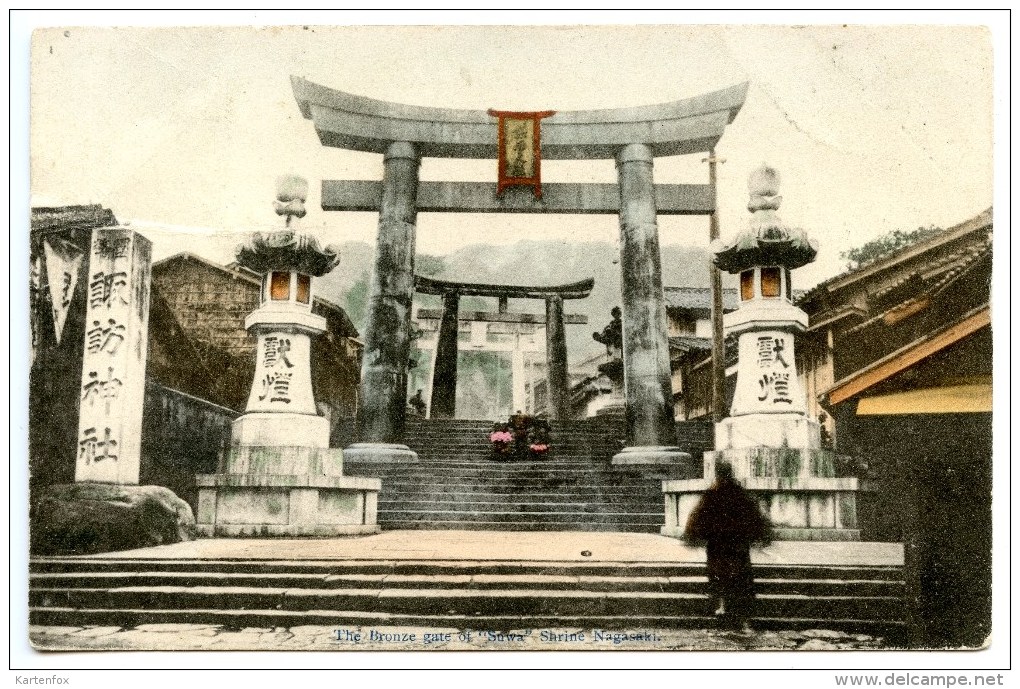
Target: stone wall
x=181 y=436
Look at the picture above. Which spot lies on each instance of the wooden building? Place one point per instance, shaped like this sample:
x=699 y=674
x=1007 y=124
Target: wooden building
x=900 y=352
x=897 y=365
x=689 y=322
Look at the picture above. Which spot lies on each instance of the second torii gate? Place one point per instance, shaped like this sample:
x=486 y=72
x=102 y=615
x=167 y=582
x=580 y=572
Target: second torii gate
x=444 y=377
x=406 y=133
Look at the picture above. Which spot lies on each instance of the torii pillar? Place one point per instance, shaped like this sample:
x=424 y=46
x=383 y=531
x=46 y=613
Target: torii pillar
x=651 y=431
x=388 y=337
x=443 y=404
x=556 y=356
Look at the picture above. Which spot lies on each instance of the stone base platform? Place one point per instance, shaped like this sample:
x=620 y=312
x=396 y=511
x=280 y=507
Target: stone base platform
x=797 y=488
x=380 y=452
x=275 y=505
x=657 y=455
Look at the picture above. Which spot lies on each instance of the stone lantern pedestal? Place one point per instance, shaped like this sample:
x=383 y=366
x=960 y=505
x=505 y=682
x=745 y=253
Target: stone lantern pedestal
x=773 y=446
x=280 y=477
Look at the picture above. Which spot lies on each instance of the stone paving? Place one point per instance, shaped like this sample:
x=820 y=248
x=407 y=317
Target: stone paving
x=202 y=637
x=562 y=546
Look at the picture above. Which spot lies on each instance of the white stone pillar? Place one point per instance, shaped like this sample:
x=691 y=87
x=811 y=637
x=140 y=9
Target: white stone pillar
x=113 y=365
x=517 y=373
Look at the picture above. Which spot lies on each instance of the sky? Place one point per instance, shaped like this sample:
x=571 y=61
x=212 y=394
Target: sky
x=183 y=131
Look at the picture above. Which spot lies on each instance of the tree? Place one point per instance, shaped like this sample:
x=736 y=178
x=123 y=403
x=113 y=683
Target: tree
x=886 y=244
x=357 y=301
x=429 y=265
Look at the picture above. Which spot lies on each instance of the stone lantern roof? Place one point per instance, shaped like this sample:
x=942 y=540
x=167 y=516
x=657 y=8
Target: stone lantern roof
x=285 y=250
x=767 y=241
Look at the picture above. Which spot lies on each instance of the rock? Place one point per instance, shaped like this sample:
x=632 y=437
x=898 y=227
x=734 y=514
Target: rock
x=817 y=645
x=822 y=634
x=84 y=518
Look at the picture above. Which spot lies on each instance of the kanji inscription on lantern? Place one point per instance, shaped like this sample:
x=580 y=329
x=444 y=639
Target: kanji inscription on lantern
x=276 y=350
x=772 y=356
x=771 y=351
x=775 y=387
x=276 y=386
x=113 y=361
x=768 y=367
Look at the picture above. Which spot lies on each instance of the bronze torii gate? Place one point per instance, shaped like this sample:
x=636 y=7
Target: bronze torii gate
x=444 y=387
x=406 y=133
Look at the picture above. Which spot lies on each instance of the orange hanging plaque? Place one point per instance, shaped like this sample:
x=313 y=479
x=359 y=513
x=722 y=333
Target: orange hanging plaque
x=520 y=149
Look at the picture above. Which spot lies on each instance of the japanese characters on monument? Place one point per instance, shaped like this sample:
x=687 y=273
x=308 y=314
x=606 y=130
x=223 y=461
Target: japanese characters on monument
x=283 y=380
x=113 y=362
x=766 y=358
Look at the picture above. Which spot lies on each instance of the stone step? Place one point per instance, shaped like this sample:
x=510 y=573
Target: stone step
x=652 y=527
x=580 y=503
x=578 y=461
x=438 y=601
x=498 y=471
x=488 y=462
x=690 y=583
x=482 y=435
x=522 y=483
x=426 y=486
x=236 y=619
x=511 y=517
x=610 y=568
x=483 y=438
x=458 y=446
x=603 y=502
x=474 y=463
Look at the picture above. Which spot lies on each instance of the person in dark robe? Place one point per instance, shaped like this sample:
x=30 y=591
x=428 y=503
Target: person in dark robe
x=520 y=424
x=728 y=521
x=417 y=404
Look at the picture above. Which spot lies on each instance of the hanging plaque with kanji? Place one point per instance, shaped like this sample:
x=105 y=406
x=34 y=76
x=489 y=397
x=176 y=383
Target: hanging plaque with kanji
x=519 y=138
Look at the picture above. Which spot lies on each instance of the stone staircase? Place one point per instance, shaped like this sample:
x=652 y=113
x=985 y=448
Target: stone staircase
x=456 y=484
x=467 y=594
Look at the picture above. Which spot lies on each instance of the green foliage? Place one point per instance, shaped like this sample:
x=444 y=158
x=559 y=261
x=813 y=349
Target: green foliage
x=428 y=265
x=357 y=302
x=886 y=244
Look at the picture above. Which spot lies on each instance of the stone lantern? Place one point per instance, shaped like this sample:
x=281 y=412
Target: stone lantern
x=768 y=407
x=769 y=440
x=280 y=477
x=281 y=405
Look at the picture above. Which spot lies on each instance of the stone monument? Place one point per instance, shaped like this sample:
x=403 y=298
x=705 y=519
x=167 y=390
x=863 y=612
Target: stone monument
x=280 y=477
x=774 y=448
x=113 y=368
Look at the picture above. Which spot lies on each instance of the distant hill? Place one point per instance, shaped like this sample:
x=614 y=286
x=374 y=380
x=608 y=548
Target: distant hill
x=484 y=389
x=526 y=262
